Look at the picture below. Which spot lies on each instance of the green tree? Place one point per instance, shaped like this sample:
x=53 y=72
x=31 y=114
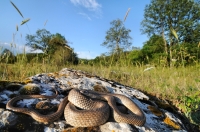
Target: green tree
x=55 y=46
x=56 y=41
x=166 y=17
x=7 y=56
x=117 y=37
x=153 y=48
x=40 y=41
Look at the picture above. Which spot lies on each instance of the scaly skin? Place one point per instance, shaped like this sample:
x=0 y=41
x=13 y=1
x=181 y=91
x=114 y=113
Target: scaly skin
x=96 y=113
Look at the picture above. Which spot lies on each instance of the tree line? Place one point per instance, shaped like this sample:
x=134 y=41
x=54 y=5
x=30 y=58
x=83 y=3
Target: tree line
x=55 y=49
x=173 y=28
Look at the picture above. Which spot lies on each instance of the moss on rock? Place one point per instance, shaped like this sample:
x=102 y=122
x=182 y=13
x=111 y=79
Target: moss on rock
x=171 y=123
x=155 y=110
x=30 y=89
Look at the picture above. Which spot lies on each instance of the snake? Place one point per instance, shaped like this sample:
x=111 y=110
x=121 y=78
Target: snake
x=85 y=108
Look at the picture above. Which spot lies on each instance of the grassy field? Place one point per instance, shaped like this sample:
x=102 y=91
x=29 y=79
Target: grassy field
x=179 y=85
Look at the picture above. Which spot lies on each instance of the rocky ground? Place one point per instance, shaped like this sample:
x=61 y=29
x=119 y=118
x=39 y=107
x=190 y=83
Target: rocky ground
x=160 y=115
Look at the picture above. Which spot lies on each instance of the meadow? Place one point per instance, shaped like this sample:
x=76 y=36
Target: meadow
x=179 y=86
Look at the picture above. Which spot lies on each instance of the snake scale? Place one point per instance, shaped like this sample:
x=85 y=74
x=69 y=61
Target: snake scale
x=90 y=111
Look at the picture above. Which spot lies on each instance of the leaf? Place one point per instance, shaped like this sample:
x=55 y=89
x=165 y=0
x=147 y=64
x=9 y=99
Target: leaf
x=16 y=8
x=174 y=33
x=25 y=21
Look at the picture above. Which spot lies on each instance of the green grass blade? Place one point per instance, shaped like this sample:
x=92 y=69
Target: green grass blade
x=16 y=8
x=25 y=21
x=174 y=33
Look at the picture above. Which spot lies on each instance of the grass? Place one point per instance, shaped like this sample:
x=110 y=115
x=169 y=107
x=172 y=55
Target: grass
x=167 y=82
x=170 y=83
x=18 y=72
x=180 y=86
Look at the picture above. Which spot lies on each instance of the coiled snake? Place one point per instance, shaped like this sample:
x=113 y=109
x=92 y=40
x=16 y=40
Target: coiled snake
x=95 y=112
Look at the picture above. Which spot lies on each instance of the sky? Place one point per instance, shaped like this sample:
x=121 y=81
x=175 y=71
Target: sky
x=82 y=22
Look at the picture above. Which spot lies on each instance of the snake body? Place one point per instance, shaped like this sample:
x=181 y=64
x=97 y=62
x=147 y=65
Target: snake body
x=33 y=113
x=95 y=112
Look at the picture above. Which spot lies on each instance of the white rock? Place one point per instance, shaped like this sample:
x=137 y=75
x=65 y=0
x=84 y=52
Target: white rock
x=116 y=127
x=7 y=118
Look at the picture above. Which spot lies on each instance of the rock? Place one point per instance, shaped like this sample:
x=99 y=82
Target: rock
x=56 y=126
x=29 y=89
x=14 y=86
x=116 y=127
x=1 y=88
x=159 y=117
x=7 y=118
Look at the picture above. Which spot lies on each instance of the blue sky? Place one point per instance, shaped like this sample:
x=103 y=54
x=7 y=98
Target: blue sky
x=83 y=22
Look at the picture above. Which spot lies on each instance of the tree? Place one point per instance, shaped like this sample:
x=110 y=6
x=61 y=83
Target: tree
x=170 y=18
x=153 y=49
x=7 y=56
x=117 y=37
x=56 y=41
x=53 y=45
x=40 y=41
x=153 y=45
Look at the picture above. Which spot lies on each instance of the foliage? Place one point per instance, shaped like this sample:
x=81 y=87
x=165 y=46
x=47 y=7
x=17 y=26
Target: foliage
x=58 y=39
x=153 y=48
x=117 y=37
x=63 y=55
x=189 y=52
x=31 y=57
x=40 y=41
x=181 y=16
x=176 y=21
x=136 y=56
x=7 y=56
x=54 y=46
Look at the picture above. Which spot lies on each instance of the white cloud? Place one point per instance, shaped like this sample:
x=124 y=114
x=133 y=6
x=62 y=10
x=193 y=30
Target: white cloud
x=89 y=4
x=16 y=48
x=85 y=15
x=87 y=54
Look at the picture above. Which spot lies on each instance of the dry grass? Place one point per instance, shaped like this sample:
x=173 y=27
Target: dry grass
x=169 y=82
x=18 y=72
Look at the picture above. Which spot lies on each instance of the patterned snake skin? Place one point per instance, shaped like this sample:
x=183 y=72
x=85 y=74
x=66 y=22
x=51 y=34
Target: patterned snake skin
x=93 y=112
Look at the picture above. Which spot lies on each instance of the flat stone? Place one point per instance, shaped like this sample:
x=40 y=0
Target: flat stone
x=7 y=118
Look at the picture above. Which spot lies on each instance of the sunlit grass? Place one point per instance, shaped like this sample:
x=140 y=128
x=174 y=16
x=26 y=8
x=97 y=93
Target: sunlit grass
x=168 y=83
